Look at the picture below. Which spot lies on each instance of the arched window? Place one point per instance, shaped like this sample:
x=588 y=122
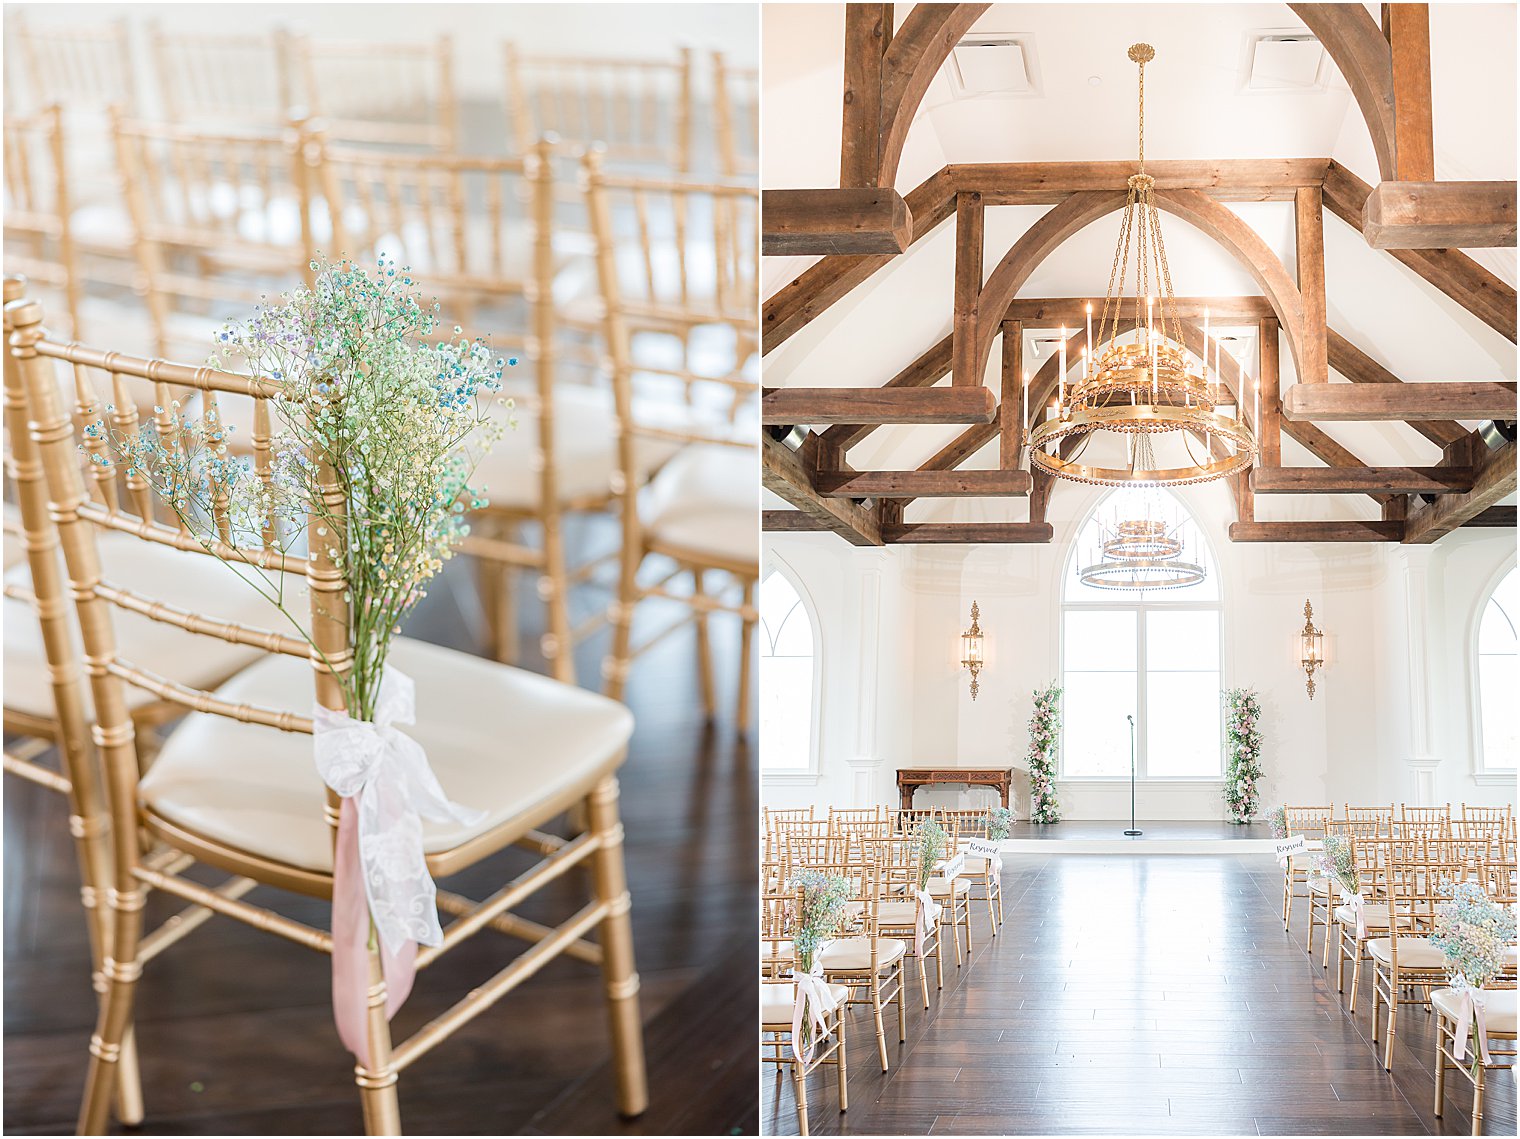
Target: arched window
x=1499 y=676
x=1152 y=654
x=788 y=675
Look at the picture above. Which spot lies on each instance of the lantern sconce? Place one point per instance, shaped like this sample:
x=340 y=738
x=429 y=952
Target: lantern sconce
x=971 y=649
x=1311 y=648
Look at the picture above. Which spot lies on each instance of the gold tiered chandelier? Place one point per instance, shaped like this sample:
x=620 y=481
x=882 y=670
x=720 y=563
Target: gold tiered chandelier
x=1141 y=386
x=1139 y=551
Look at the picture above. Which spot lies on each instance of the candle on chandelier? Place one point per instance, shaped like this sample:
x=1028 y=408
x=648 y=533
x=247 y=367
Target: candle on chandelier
x=1205 y=345
x=1155 y=369
x=1084 y=364
x=1062 y=382
x=1218 y=375
x=1089 y=329
x=1026 y=407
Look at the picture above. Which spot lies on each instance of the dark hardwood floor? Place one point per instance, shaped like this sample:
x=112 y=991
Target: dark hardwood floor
x=235 y=1027
x=1140 y=994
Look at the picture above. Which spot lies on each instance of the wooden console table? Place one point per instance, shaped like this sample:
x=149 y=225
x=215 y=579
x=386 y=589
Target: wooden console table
x=910 y=779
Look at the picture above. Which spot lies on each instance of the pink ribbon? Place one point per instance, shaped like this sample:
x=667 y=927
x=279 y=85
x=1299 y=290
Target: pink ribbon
x=1470 y=1009
x=814 y=1003
x=350 y=950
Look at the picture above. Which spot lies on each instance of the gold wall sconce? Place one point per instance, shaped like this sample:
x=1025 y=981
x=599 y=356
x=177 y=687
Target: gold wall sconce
x=971 y=649
x=1311 y=643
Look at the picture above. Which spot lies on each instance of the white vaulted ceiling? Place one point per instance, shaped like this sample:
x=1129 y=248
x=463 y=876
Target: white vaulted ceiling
x=1197 y=107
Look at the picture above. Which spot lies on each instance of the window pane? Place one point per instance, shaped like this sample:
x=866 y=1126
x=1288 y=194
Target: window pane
x=1498 y=677
x=786 y=710
x=1182 y=641
x=1096 y=732
x=1183 y=723
x=1100 y=642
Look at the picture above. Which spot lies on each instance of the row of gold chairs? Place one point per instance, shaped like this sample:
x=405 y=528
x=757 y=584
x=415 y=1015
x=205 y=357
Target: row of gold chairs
x=1405 y=861
x=877 y=852
x=663 y=283
x=397 y=93
x=137 y=613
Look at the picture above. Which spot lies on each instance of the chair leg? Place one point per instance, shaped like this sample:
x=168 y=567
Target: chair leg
x=496 y=582
x=923 y=974
x=939 y=965
x=1000 y=901
x=618 y=972
x=1356 y=977
x=1324 y=961
x=377 y=1080
x=842 y=1073
x=1340 y=960
x=1393 y=1017
x=1440 y=1071
x=704 y=652
x=902 y=1007
x=1478 y=1083
x=992 y=916
x=746 y=652
x=129 y=1096
x=615 y=667
x=1287 y=905
x=799 y=1085
x=881 y=1028
x=554 y=588
x=121 y=970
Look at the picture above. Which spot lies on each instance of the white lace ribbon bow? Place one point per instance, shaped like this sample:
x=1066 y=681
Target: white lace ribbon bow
x=814 y=1003
x=1469 y=1009
x=386 y=772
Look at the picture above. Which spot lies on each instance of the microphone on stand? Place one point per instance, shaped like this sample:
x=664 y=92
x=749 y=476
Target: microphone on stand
x=1133 y=832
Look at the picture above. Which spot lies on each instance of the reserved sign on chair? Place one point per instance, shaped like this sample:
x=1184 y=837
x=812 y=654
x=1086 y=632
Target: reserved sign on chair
x=981 y=847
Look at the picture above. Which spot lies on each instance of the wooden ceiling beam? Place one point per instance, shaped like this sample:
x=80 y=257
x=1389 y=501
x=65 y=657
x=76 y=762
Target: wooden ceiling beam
x=802 y=300
x=1356 y=403
x=1440 y=215
x=791 y=522
x=1357 y=45
x=923 y=484
x=1309 y=245
x=1226 y=180
x=1406 y=27
x=819 y=406
x=927 y=370
x=783 y=473
x=848 y=221
x=968 y=533
x=1361 y=480
x=1449 y=270
x=970 y=240
x=1381 y=531
x=1494 y=516
x=1360 y=368
x=1494 y=478
x=1052 y=312
x=867 y=35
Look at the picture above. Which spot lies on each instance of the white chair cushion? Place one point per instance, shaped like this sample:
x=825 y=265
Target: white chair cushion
x=1319 y=886
x=851 y=954
x=200 y=584
x=704 y=500
x=902 y=914
x=1414 y=953
x=1374 y=916
x=777 y=1001
x=585 y=448
x=501 y=740
x=1498 y=1008
x=940 y=889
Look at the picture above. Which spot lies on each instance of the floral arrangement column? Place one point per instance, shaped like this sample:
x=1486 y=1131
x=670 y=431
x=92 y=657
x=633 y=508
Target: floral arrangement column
x=1044 y=733
x=1243 y=773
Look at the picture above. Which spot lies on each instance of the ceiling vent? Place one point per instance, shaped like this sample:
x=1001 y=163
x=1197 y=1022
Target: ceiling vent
x=994 y=65
x=1284 y=61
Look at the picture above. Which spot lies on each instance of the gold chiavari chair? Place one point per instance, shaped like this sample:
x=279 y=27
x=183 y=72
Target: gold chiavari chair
x=778 y=999
x=220 y=219
x=907 y=820
x=212 y=79
x=698 y=512
x=979 y=870
x=639 y=110
x=390 y=94
x=771 y=820
x=869 y=964
x=805 y=844
x=1309 y=822
x=274 y=825
x=1370 y=855
x=1500 y=1025
x=1405 y=963
x=39 y=240
x=1383 y=816
x=953 y=892
x=736 y=115
x=1476 y=814
x=1424 y=822
x=88 y=67
x=898 y=910
x=1348 y=829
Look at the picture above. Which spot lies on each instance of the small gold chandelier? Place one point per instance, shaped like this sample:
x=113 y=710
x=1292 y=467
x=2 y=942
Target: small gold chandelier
x=1141 y=387
x=1140 y=553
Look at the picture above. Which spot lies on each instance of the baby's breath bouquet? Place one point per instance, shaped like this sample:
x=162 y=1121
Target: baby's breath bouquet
x=1277 y=819
x=1473 y=931
x=999 y=821
x=817 y=914
x=1338 y=865
x=396 y=418
x=931 y=848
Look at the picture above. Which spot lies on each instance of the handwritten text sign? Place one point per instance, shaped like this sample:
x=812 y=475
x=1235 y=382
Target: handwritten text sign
x=981 y=847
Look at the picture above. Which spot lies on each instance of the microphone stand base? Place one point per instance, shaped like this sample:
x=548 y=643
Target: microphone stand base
x=1134 y=833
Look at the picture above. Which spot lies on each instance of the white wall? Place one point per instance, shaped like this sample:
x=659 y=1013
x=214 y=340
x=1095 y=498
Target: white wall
x=1390 y=720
